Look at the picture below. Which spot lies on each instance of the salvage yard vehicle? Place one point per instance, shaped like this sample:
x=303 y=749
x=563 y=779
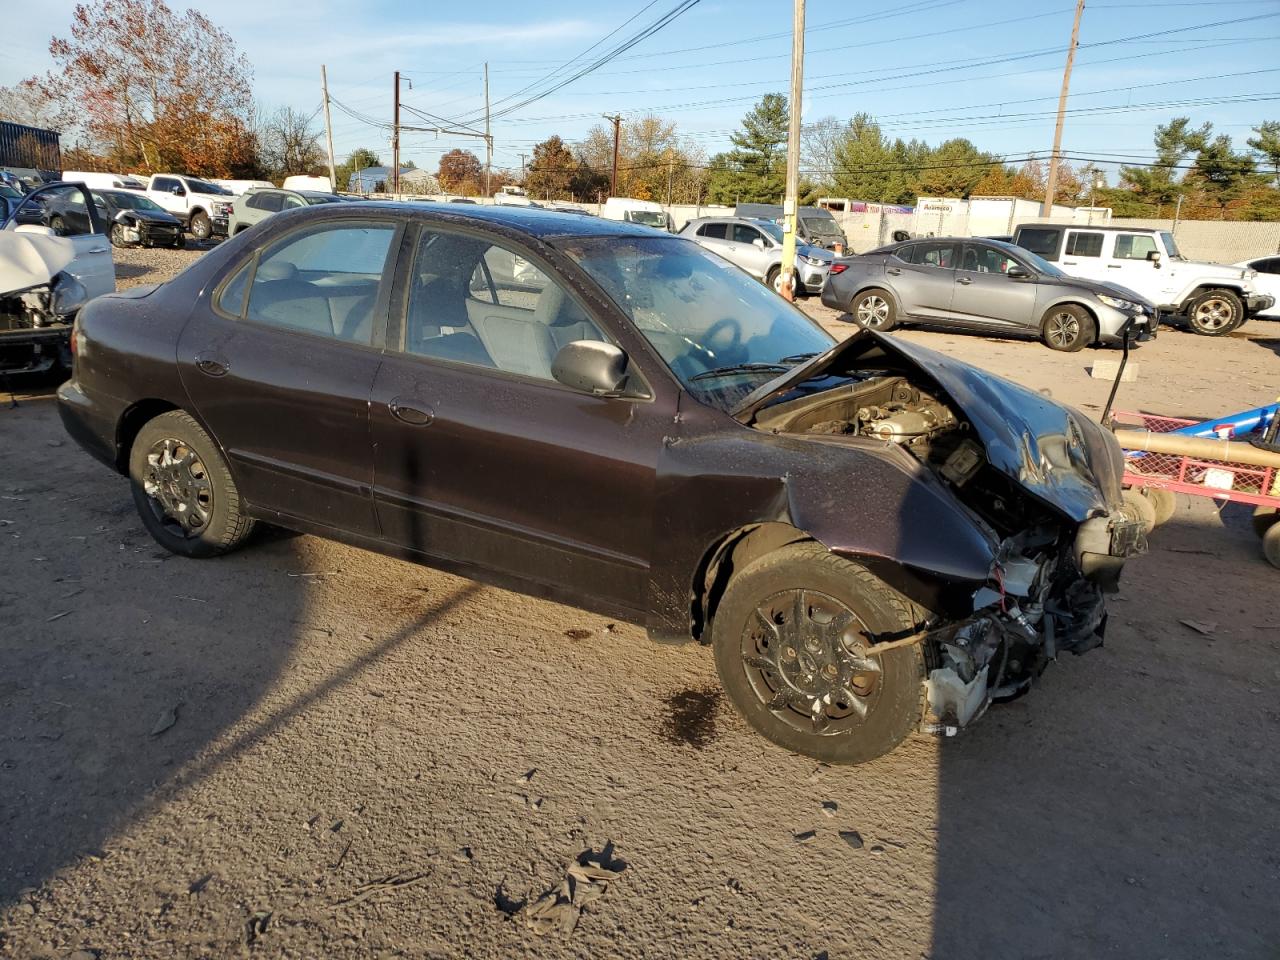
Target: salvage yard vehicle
x=986 y=286
x=203 y=207
x=46 y=278
x=1212 y=299
x=1267 y=281
x=872 y=537
x=756 y=247
x=258 y=204
x=130 y=219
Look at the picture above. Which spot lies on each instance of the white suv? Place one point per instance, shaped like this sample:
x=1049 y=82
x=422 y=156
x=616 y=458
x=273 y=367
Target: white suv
x=203 y=207
x=1215 y=299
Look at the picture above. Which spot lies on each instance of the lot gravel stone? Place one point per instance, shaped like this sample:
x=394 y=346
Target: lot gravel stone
x=350 y=730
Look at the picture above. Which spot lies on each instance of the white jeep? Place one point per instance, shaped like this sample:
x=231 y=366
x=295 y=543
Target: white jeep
x=203 y=207
x=1215 y=299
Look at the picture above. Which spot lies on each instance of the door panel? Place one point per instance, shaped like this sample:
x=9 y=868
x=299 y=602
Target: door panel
x=925 y=284
x=985 y=295
x=280 y=367
x=1083 y=254
x=93 y=265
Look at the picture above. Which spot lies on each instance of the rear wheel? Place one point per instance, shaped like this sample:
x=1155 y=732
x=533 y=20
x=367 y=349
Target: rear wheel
x=183 y=490
x=793 y=637
x=1067 y=328
x=1215 y=312
x=1271 y=545
x=874 y=309
x=1264 y=518
x=200 y=227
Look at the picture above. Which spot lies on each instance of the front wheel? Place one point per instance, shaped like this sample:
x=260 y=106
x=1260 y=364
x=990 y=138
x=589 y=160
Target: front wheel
x=200 y=227
x=1215 y=312
x=117 y=235
x=1067 y=328
x=183 y=490
x=874 y=309
x=792 y=639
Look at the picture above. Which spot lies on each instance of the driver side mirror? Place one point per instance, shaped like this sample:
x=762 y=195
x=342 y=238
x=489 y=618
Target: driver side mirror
x=758 y=243
x=591 y=366
x=1017 y=271
x=1154 y=257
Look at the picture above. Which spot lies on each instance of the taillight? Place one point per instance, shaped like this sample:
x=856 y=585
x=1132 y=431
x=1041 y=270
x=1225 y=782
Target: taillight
x=839 y=268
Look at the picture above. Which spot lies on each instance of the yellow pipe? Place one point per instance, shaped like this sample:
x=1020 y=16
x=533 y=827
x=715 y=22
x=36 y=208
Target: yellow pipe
x=1202 y=448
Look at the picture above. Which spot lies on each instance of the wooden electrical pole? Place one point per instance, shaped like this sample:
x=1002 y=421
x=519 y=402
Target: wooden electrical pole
x=616 y=120
x=395 y=140
x=328 y=129
x=792 y=199
x=1051 y=182
x=488 y=138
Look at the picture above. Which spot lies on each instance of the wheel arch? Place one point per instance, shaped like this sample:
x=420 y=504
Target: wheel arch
x=1205 y=287
x=131 y=423
x=1071 y=302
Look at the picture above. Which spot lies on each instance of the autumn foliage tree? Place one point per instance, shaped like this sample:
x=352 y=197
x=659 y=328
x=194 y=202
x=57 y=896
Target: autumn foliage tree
x=461 y=172
x=154 y=89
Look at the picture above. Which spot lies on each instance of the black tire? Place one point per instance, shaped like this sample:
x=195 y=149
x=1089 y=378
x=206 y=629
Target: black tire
x=1264 y=518
x=116 y=235
x=1215 y=313
x=201 y=228
x=874 y=309
x=892 y=705
x=1271 y=545
x=773 y=279
x=213 y=523
x=1067 y=328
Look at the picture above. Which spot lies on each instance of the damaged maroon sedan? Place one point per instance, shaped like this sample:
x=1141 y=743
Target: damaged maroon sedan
x=872 y=537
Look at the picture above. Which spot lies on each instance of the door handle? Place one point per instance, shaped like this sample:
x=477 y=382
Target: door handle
x=1113 y=266
x=893 y=271
x=965 y=280
x=100 y=250
x=406 y=412
x=1071 y=263
x=212 y=365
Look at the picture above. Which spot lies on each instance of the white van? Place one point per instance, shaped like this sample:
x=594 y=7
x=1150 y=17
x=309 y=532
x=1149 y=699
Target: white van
x=301 y=182
x=646 y=212
x=103 y=181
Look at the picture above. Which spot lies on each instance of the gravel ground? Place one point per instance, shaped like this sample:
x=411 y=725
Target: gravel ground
x=306 y=750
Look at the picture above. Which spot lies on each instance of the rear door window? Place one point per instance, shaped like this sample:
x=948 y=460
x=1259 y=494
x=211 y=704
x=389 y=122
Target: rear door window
x=935 y=253
x=1044 y=242
x=713 y=231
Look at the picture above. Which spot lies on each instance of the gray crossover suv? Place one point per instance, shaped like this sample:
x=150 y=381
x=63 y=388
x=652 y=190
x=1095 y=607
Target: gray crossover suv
x=983 y=285
x=756 y=247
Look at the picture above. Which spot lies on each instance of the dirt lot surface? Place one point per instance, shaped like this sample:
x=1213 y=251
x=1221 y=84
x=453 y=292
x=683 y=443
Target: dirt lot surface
x=305 y=750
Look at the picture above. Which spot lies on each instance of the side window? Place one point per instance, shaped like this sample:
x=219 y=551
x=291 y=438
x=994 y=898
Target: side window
x=288 y=201
x=1084 y=244
x=984 y=259
x=68 y=199
x=1268 y=266
x=163 y=183
x=1134 y=246
x=941 y=254
x=744 y=234
x=323 y=282
x=481 y=304
x=715 y=231
x=265 y=201
x=1043 y=242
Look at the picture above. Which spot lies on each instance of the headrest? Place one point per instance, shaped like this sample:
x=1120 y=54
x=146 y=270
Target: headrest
x=276 y=270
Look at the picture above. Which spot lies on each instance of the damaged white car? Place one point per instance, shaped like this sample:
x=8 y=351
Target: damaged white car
x=45 y=278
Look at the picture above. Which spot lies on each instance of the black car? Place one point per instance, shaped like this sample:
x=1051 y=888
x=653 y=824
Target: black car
x=873 y=537
x=132 y=219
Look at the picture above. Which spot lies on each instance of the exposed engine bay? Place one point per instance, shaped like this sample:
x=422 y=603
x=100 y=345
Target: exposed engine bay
x=1045 y=593
x=39 y=298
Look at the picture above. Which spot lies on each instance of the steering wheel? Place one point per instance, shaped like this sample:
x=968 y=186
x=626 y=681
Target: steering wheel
x=725 y=352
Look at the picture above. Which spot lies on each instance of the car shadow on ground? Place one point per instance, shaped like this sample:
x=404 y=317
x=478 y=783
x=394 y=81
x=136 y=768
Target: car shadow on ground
x=1117 y=809
x=132 y=271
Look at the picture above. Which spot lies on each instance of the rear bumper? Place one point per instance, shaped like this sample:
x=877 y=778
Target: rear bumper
x=87 y=423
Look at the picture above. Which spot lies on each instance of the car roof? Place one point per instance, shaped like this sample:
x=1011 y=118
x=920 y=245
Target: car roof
x=535 y=221
x=1088 y=226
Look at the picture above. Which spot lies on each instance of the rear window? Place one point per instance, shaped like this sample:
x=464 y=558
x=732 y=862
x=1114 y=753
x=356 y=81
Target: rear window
x=1040 y=241
x=716 y=231
x=1084 y=244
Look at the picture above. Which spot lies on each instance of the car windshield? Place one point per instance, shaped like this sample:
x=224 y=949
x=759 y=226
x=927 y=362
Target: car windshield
x=1040 y=264
x=771 y=228
x=204 y=186
x=822 y=227
x=650 y=218
x=721 y=332
x=314 y=198
x=1171 y=245
x=132 y=201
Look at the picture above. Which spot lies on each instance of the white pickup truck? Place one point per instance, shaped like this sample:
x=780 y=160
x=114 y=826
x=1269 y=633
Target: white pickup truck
x=203 y=207
x=1214 y=298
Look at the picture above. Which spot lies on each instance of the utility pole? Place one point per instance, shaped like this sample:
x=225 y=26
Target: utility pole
x=616 y=120
x=395 y=139
x=488 y=138
x=670 y=171
x=328 y=129
x=522 y=156
x=790 y=201
x=1051 y=182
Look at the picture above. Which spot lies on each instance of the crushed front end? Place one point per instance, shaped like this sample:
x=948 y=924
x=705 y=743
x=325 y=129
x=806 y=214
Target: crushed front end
x=35 y=325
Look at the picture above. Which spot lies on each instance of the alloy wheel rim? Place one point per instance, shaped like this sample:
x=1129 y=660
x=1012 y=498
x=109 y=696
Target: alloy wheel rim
x=806 y=658
x=178 y=488
x=1214 y=314
x=1063 y=329
x=873 y=311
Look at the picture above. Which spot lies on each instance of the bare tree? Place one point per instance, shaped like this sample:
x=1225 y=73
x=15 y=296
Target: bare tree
x=288 y=143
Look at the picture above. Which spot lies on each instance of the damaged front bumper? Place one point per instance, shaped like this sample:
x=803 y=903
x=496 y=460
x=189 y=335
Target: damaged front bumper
x=1040 y=602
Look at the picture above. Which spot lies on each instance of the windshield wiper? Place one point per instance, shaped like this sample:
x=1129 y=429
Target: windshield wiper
x=798 y=358
x=733 y=368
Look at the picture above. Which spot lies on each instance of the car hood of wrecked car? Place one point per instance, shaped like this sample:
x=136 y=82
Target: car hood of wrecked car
x=1054 y=452
x=30 y=259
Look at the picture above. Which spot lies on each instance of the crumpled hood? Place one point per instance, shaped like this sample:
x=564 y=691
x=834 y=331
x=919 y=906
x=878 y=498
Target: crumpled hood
x=151 y=216
x=809 y=250
x=30 y=259
x=1054 y=452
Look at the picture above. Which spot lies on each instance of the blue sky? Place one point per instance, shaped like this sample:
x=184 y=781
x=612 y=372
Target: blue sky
x=931 y=69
